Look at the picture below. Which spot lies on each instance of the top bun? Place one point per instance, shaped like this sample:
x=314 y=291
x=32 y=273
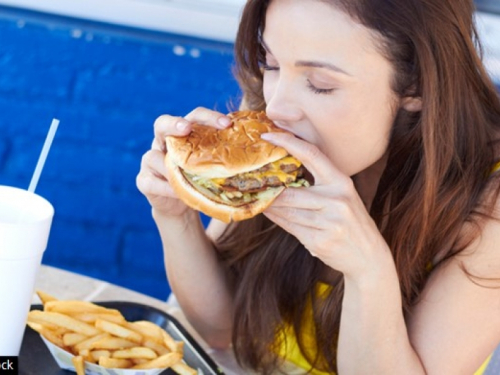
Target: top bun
x=214 y=153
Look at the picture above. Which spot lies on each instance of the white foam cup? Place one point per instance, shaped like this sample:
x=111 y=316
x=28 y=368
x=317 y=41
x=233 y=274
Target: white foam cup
x=25 y=221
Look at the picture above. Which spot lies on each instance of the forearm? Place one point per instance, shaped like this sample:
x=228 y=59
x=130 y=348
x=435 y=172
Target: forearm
x=373 y=335
x=196 y=277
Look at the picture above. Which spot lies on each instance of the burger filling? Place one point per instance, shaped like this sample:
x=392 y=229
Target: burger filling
x=246 y=187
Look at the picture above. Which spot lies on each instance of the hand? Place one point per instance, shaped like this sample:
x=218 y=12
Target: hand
x=152 y=180
x=329 y=218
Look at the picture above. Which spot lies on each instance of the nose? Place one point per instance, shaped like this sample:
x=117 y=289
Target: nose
x=281 y=103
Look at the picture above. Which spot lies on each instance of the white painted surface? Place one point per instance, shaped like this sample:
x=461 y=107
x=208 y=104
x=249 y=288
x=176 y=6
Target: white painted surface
x=209 y=19
x=489 y=31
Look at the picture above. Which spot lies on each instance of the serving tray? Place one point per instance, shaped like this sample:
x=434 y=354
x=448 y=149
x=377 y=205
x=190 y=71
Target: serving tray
x=35 y=358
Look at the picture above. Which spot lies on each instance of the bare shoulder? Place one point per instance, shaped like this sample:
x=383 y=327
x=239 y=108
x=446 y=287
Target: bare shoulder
x=482 y=256
x=456 y=324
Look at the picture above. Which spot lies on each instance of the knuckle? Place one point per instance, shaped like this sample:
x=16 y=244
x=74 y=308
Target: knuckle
x=145 y=183
x=203 y=116
x=141 y=182
x=197 y=113
x=343 y=207
x=313 y=152
x=147 y=158
x=338 y=231
x=163 y=121
x=288 y=196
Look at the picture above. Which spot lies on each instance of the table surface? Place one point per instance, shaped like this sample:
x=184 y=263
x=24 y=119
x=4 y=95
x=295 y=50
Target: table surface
x=68 y=285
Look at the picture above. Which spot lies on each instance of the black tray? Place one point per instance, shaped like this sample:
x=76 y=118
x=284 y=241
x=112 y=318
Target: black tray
x=35 y=358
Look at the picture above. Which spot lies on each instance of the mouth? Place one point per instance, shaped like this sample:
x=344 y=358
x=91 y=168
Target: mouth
x=292 y=130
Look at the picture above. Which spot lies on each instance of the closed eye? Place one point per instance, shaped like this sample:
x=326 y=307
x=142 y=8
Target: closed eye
x=269 y=67
x=318 y=90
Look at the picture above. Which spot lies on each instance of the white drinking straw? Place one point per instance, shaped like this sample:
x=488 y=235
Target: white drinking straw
x=43 y=155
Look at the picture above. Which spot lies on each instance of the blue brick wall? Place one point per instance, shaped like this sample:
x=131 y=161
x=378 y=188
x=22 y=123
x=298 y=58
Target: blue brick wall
x=107 y=85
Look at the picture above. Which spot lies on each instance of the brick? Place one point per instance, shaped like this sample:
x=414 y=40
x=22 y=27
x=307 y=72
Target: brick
x=82 y=243
x=142 y=250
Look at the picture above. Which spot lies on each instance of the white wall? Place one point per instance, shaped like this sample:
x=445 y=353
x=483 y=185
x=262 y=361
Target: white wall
x=211 y=19
x=489 y=30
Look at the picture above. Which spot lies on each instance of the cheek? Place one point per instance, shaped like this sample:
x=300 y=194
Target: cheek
x=268 y=85
x=356 y=136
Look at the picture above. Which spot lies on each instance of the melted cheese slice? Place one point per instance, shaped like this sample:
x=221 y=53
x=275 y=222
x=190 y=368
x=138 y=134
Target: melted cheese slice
x=274 y=170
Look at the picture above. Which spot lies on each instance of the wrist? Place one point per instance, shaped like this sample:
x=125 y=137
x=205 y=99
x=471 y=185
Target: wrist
x=178 y=223
x=379 y=273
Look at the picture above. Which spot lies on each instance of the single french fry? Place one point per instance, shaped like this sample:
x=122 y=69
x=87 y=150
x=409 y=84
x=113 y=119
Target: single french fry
x=164 y=361
x=97 y=354
x=158 y=348
x=146 y=328
x=118 y=330
x=48 y=333
x=91 y=317
x=112 y=343
x=171 y=344
x=45 y=297
x=79 y=365
x=76 y=307
x=139 y=361
x=52 y=337
x=87 y=344
x=183 y=369
x=64 y=321
x=115 y=362
x=35 y=326
x=34 y=318
x=72 y=338
x=85 y=354
x=135 y=352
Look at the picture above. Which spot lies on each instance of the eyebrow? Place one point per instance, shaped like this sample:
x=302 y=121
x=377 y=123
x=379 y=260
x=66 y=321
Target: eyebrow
x=320 y=64
x=310 y=64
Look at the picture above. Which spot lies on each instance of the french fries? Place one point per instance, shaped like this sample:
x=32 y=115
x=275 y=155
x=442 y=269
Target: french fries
x=101 y=336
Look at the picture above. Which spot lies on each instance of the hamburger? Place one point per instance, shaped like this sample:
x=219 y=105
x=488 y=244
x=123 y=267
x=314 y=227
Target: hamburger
x=231 y=174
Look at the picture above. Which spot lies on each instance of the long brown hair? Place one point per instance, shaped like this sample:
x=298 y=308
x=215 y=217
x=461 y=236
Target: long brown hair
x=438 y=162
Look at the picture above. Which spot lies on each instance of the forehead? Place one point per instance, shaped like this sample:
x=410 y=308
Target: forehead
x=317 y=27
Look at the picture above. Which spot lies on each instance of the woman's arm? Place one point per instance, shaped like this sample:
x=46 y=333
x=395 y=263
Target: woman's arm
x=452 y=330
x=456 y=325
x=373 y=335
x=196 y=277
x=194 y=273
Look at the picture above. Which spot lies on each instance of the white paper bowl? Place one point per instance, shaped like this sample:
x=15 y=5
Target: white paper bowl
x=63 y=359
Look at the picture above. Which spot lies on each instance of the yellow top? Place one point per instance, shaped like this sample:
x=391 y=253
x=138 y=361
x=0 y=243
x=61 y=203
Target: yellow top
x=290 y=350
x=495 y=168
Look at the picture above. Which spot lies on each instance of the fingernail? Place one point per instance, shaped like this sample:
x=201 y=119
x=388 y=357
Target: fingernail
x=223 y=122
x=182 y=125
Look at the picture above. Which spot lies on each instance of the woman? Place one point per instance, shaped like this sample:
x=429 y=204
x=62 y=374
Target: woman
x=389 y=264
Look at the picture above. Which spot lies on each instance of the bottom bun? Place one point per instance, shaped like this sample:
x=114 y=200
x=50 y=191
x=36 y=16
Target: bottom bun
x=214 y=207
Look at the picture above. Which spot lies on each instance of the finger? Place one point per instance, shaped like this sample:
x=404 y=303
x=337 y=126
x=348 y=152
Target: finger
x=205 y=116
x=153 y=161
x=313 y=159
x=150 y=184
x=157 y=146
x=300 y=197
x=295 y=228
x=167 y=125
x=301 y=216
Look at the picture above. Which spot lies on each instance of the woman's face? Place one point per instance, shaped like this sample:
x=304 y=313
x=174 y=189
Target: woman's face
x=326 y=81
